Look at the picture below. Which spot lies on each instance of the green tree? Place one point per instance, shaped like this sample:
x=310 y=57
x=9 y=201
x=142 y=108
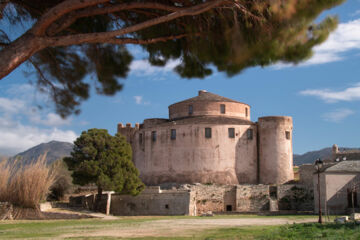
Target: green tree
x=105 y=160
x=70 y=39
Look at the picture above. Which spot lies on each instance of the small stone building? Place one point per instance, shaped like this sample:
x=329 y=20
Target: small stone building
x=339 y=187
x=211 y=139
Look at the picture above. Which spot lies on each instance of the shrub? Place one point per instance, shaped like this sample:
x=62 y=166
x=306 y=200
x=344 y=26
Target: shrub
x=25 y=185
x=62 y=182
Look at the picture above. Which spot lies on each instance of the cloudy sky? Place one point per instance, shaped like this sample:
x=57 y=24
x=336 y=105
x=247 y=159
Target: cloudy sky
x=322 y=95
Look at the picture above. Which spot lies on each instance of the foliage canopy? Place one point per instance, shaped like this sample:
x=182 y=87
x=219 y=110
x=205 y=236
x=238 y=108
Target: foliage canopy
x=105 y=160
x=71 y=39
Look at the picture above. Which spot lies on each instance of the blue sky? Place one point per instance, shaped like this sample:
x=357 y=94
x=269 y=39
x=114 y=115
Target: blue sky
x=322 y=95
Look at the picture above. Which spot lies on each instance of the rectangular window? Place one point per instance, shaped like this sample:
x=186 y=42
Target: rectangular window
x=246 y=112
x=208 y=132
x=287 y=135
x=173 y=134
x=153 y=136
x=249 y=134
x=190 y=109
x=222 y=108
x=231 y=132
x=140 y=138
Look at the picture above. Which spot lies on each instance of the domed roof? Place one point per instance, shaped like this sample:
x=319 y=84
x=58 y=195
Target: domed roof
x=208 y=97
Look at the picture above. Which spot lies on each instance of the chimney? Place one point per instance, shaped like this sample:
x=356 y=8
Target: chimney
x=202 y=92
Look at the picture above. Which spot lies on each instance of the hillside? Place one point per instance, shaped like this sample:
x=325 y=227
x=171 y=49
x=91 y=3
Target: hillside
x=310 y=157
x=54 y=149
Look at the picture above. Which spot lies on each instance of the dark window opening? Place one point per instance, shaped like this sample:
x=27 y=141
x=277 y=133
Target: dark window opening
x=352 y=199
x=190 y=109
x=287 y=135
x=273 y=191
x=249 y=133
x=167 y=206
x=231 y=132
x=173 y=134
x=222 y=108
x=228 y=208
x=153 y=136
x=246 y=112
x=208 y=132
x=140 y=138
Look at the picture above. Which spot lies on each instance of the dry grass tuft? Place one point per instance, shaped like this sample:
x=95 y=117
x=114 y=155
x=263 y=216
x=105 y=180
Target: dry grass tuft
x=25 y=186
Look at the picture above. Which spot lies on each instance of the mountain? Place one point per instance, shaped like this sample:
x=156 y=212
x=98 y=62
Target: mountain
x=54 y=150
x=310 y=157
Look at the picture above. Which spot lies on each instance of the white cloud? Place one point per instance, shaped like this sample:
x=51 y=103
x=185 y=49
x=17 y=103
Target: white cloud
x=338 y=115
x=140 y=100
x=357 y=12
x=22 y=126
x=17 y=137
x=348 y=94
x=11 y=106
x=51 y=119
x=344 y=39
x=144 y=68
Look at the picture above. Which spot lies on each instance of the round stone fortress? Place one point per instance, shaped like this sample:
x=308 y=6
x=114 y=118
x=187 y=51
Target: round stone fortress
x=211 y=139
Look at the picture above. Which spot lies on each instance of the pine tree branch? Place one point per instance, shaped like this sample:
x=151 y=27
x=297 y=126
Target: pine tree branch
x=147 y=41
x=69 y=19
x=104 y=36
x=60 y=10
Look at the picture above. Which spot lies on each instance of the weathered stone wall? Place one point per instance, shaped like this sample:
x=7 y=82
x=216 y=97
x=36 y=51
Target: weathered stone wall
x=306 y=172
x=275 y=150
x=166 y=202
x=209 y=197
x=252 y=198
x=192 y=157
x=295 y=197
x=197 y=199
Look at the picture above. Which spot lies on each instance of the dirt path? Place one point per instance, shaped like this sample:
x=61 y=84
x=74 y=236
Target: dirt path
x=81 y=212
x=181 y=227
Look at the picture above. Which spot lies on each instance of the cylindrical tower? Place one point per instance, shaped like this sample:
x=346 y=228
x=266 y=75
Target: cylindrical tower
x=209 y=104
x=275 y=150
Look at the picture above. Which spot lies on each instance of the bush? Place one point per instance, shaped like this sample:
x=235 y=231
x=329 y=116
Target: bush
x=62 y=182
x=25 y=186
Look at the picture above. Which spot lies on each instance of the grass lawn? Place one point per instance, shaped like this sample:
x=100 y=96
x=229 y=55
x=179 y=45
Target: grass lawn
x=77 y=229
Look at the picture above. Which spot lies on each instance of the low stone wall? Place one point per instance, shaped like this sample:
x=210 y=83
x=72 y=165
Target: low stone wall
x=197 y=199
x=252 y=198
x=209 y=197
x=295 y=197
x=166 y=202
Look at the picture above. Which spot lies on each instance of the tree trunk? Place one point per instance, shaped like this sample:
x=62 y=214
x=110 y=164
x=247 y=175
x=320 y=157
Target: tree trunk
x=19 y=51
x=97 y=200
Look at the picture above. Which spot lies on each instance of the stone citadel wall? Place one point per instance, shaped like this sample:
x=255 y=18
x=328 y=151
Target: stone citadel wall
x=192 y=157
